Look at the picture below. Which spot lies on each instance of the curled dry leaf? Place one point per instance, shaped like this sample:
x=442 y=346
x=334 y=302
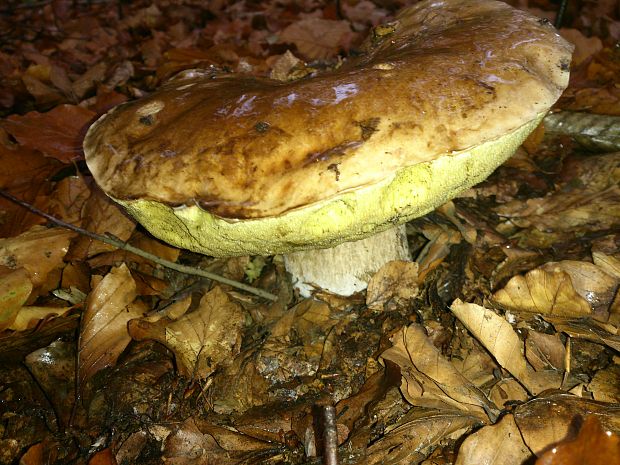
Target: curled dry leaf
x=394 y=285
x=546 y=292
x=15 y=288
x=430 y=380
x=103 y=334
x=203 y=340
x=497 y=335
x=57 y=133
x=592 y=446
x=318 y=38
x=497 y=444
x=547 y=420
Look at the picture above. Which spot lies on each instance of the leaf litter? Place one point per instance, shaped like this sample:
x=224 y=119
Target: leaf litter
x=499 y=344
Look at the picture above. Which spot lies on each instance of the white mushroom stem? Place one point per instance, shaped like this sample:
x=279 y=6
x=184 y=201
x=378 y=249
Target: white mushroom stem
x=346 y=268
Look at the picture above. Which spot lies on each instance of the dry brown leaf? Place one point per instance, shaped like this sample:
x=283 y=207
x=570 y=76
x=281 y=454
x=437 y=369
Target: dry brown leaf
x=545 y=351
x=541 y=291
x=588 y=329
x=497 y=335
x=101 y=215
x=547 y=420
x=499 y=444
x=40 y=251
x=103 y=334
x=203 y=340
x=592 y=446
x=15 y=288
x=68 y=198
x=417 y=434
x=605 y=385
x=508 y=390
x=591 y=282
x=394 y=286
x=430 y=380
x=318 y=38
x=57 y=133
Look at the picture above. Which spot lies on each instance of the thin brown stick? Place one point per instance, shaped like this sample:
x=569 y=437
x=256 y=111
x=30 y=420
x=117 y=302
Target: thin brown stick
x=116 y=242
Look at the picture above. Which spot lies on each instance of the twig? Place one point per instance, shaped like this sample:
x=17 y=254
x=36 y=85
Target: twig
x=116 y=242
x=330 y=436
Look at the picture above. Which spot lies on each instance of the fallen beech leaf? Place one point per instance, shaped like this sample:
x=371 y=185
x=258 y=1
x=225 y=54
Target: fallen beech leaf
x=103 y=334
x=585 y=47
x=604 y=385
x=394 y=285
x=202 y=340
x=68 y=198
x=547 y=420
x=430 y=380
x=541 y=291
x=507 y=390
x=494 y=444
x=592 y=446
x=317 y=38
x=103 y=457
x=57 y=133
x=15 y=288
x=588 y=329
x=497 y=335
x=40 y=251
x=417 y=434
x=591 y=282
x=545 y=351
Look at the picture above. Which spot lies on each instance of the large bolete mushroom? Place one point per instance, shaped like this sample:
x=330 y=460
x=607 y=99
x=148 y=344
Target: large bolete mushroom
x=232 y=165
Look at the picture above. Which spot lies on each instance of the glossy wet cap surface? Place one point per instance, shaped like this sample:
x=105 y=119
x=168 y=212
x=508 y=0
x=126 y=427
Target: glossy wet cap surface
x=445 y=76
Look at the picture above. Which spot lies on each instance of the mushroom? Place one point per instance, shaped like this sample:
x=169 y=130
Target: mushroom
x=231 y=165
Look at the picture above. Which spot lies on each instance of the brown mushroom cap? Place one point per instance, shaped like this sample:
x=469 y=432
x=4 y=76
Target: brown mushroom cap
x=445 y=77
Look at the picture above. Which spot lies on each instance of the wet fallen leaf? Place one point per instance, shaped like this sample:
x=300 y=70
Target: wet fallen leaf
x=393 y=286
x=497 y=444
x=29 y=316
x=430 y=380
x=103 y=334
x=497 y=335
x=203 y=340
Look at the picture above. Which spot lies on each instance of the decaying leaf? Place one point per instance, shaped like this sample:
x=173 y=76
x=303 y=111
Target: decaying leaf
x=15 y=288
x=29 y=316
x=103 y=334
x=589 y=329
x=541 y=291
x=393 y=286
x=203 y=340
x=430 y=380
x=497 y=444
x=497 y=335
